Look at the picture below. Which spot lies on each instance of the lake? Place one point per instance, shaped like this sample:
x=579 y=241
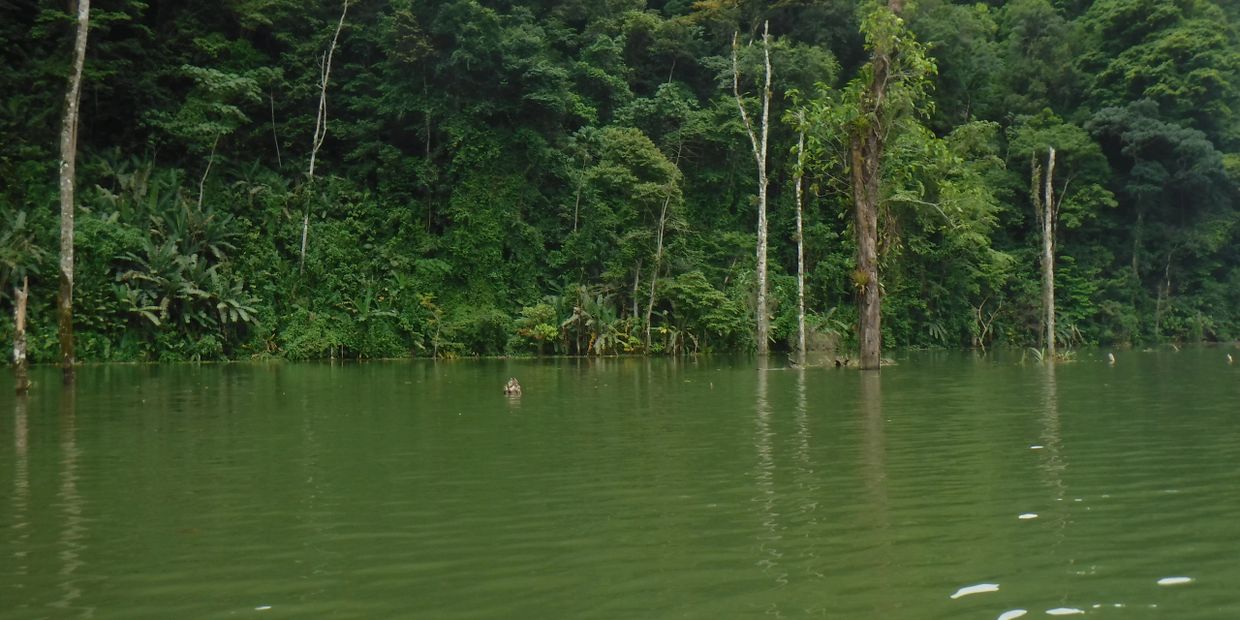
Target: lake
x=953 y=485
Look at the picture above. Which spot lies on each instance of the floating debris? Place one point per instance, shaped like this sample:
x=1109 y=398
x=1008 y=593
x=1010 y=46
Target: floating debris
x=1015 y=613
x=1035 y=447
x=262 y=608
x=1064 y=611
x=1028 y=515
x=1174 y=581
x=977 y=589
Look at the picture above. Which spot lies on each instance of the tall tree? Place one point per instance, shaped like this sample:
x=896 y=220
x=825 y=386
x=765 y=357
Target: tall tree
x=869 y=134
x=887 y=92
x=68 y=160
x=759 y=153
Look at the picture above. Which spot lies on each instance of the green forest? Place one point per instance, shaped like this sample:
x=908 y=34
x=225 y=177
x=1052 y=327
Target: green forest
x=393 y=178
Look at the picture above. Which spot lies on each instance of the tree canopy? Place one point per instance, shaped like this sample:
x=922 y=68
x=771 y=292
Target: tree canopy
x=495 y=174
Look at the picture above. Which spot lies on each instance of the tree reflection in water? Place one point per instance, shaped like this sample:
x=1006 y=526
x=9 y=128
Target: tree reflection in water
x=769 y=553
x=874 y=472
x=74 y=529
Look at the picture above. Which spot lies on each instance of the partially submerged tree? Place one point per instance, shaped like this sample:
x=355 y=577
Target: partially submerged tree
x=68 y=160
x=890 y=86
x=1048 y=214
x=799 y=174
x=1066 y=168
x=19 y=256
x=20 y=297
x=759 y=143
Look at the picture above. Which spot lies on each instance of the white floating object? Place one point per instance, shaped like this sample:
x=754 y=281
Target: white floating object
x=977 y=589
x=262 y=608
x=1035 y=447
x=1009 y=615
x=1064 y=611
x=1174 y=581
x=1028 y=515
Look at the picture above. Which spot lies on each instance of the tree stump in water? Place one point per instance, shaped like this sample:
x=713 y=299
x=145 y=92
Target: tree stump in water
x=512 y=388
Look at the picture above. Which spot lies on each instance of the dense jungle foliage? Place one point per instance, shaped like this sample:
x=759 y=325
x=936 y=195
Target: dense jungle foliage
x=495 y=171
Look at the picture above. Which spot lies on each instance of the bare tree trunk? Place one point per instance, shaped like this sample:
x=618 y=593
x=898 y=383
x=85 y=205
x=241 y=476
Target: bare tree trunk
x=68 y=160
x=320 y=131
x=759 y=153
x=658 y=247
x=1164 y=296
x=202 y=183
x=20 y=296
x=1035 y=196
x=637 y=279
x=1048 y=253
x=800 y=173
x=275 y=135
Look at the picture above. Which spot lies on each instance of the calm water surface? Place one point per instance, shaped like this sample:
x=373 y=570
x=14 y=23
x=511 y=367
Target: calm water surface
x=626 y=488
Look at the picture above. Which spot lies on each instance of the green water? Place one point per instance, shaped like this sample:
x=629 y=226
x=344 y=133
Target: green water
x=625 y=489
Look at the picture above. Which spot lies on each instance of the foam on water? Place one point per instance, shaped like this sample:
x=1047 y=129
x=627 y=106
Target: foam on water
x=976 y=589
x=1174 y=581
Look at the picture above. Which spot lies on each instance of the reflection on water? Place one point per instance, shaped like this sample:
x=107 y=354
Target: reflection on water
x=1054 y=465
x=73 y=531
x=624 y=488
x=769 y=537
x=806 y=474
x=21 y=486
x=874 y=472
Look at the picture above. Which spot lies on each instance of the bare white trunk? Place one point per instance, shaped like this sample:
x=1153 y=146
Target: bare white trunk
x=320 y=130
x=275 y=135
x=1048 y=253
x=800 y=239
x=202 y=183
x=759 y=153
x=637 y=280
x=658 y=247
x=68 y=160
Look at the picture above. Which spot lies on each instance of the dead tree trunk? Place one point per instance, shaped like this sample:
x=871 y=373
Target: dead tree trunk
x=68 y=160
x=1048 y=253
x=800 y=174
x=658 y=247
x=320 y=132
x=20 y=296
x=637 y=280
x=759 y=153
